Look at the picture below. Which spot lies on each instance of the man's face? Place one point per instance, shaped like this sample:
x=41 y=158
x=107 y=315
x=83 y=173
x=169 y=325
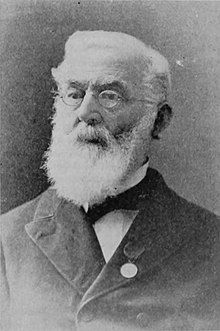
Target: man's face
x=95 y=144
x=90 y=74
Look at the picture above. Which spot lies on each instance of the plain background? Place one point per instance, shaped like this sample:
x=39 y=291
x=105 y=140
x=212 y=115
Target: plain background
x=33 y=34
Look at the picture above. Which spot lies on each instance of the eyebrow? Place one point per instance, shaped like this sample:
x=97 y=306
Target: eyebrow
x=74 y=83
x=116 y=85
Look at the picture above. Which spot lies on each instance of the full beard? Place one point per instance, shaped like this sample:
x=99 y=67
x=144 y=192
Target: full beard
x=88 y=164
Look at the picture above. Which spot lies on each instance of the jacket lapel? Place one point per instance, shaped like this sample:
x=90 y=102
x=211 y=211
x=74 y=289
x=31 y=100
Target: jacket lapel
x=60 y=230
x=153 y=236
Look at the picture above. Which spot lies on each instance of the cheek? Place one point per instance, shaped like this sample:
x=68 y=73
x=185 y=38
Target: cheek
x=64 y=118
x=126 y=120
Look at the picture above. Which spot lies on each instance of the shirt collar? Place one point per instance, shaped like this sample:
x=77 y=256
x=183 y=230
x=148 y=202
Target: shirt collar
x=135 y=178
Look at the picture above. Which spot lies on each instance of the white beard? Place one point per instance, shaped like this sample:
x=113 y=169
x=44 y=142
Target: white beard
x=84 y=172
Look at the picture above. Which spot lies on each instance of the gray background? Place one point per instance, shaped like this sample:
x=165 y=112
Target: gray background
x=33 y=34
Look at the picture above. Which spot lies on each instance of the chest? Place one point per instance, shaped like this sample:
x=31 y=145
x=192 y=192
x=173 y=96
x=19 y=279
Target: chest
x=155 y=301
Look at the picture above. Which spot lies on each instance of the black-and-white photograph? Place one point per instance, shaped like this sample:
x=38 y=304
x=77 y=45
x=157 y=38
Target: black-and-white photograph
x=110 y=131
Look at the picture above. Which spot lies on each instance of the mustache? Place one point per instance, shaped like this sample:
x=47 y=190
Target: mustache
x=85 y=133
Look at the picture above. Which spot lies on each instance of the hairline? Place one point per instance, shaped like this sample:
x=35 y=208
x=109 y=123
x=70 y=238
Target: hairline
x=153 y=57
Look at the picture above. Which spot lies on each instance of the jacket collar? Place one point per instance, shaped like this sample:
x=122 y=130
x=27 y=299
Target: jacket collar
x=59 y=227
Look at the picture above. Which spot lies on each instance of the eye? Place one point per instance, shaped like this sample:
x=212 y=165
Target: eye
x=75 y=94
x=110 y=95
x=74 y=97
x=109 y=99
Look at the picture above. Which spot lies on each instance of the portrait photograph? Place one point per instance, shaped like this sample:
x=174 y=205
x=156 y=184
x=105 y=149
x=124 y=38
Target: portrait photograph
x=110 y=165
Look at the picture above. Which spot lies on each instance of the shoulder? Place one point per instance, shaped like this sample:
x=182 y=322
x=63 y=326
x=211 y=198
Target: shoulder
x=176 y=204
x=188 y=208
x=205 y=223
x=15 y=220
x=186 y=219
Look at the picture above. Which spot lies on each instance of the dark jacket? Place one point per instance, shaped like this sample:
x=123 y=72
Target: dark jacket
x=54 y=276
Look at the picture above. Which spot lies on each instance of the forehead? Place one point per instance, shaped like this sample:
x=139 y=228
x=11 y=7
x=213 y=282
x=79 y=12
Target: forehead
x=104 y=66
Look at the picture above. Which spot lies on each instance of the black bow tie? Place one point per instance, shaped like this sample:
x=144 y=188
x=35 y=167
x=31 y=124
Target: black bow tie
x=129 y=199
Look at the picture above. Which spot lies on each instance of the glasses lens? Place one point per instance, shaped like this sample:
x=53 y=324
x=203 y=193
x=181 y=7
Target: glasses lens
x=109 y=99
x=73 y=97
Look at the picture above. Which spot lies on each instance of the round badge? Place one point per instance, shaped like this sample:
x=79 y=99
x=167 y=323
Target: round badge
x=129 y=270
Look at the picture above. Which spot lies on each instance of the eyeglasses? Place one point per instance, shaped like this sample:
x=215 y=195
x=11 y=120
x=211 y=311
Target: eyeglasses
x=108 y=99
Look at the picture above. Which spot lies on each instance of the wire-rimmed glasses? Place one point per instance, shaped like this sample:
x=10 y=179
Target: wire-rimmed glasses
x=108 y=99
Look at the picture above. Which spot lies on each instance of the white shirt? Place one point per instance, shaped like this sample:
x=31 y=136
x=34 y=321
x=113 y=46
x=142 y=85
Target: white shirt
x=112 y=227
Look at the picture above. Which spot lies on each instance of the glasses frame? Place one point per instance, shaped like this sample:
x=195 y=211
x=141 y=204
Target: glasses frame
x=121 y=99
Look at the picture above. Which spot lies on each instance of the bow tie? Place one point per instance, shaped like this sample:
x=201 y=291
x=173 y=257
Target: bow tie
x=129 y=199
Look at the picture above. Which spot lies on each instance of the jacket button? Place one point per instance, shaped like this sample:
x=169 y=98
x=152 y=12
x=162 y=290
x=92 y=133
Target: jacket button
x=129 y=270
x=143 y=319
x=132 y=251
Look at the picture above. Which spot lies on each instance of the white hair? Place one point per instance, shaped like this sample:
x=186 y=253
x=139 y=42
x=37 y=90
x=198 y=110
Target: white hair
x=156 y=76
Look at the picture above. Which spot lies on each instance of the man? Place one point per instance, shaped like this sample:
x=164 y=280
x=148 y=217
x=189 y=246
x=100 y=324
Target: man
x=109 y=246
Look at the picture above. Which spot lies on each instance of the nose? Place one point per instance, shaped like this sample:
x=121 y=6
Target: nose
x=88 y=111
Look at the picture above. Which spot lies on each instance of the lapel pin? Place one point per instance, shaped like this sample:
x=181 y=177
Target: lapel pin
x=129 y=270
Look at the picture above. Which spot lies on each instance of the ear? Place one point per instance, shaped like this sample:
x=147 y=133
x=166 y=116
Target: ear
x=162 y=120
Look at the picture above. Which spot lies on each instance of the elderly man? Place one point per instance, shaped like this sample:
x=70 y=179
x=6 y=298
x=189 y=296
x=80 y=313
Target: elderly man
x=109 y=246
